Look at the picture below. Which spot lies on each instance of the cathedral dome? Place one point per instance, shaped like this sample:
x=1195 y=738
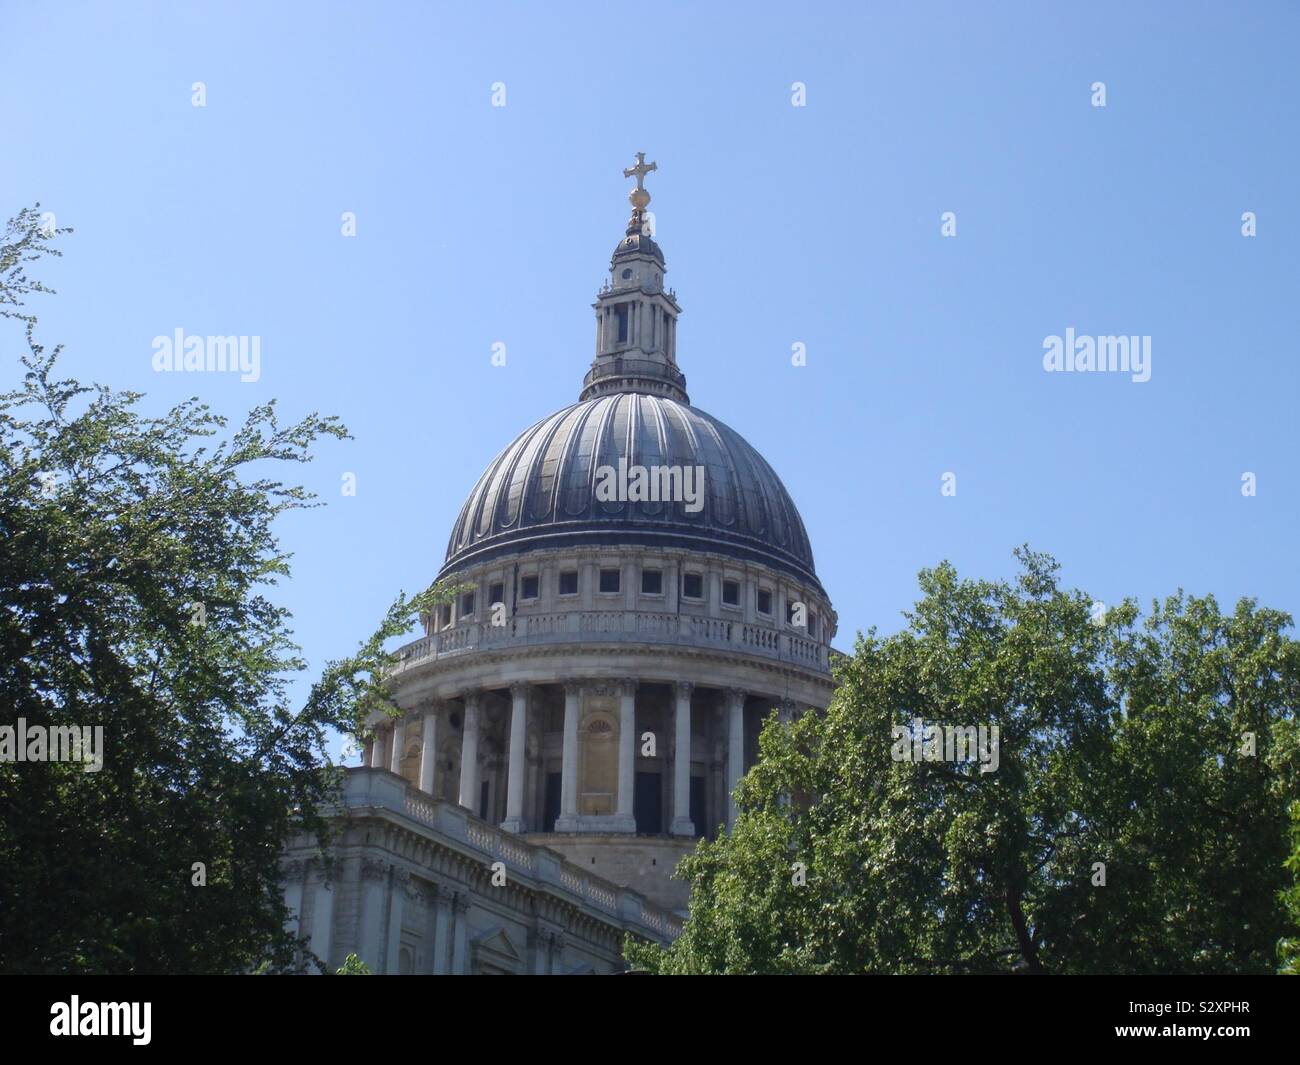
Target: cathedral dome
x=542 y=490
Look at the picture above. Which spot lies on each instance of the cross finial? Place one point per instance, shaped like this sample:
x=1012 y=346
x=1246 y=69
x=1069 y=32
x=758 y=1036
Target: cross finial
x=638 y=197
x=641 y=169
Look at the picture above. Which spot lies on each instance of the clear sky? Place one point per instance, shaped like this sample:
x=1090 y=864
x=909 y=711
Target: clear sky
x=817 y=225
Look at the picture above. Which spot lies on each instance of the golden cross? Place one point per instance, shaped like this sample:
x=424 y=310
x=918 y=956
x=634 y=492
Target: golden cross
x=641 y=169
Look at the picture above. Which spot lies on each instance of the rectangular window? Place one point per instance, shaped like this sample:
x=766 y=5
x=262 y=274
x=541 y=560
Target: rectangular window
x=569 y=582
x=444 y=615
x=609 y=580
x=467 y=605
x=621 y=314
x=764 y=601
x=528 y=587
x=812 y=625
x=731 y=593
x=693 y=585
x=652 y=582
x=497 y=592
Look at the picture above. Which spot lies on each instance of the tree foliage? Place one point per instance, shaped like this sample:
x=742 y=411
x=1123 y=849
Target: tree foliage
x=1163 y=749
x=138 y=556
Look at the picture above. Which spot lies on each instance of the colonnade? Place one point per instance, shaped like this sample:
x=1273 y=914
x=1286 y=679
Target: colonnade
x=389 y=743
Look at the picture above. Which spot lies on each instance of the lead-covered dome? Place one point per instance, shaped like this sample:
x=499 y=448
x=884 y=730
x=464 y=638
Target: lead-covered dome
x=541 y=491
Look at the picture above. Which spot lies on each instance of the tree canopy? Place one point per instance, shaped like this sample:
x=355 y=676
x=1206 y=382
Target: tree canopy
x=138 y=556
x=1136 y=821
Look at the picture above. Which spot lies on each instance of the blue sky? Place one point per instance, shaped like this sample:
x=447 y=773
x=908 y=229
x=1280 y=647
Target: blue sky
x=817 y=225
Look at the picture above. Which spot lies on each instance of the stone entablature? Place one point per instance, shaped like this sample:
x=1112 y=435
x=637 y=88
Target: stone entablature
x=413 y=891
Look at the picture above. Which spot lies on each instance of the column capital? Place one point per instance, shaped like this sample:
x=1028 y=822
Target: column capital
x=472 y=698
x=519 y=688
x=374 y=869
x=736 y=697
x=572 y=687
x=684 y=688
x=627 y=685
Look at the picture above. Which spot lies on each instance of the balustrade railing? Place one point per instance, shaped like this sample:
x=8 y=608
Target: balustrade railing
x=616 y=626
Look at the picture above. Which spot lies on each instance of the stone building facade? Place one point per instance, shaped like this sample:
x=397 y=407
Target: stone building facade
x=636 y=595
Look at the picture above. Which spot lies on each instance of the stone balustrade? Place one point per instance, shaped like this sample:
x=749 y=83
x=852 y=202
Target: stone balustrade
x=616 y=626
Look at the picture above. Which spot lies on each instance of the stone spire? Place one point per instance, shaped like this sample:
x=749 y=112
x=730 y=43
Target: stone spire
x=636 y=317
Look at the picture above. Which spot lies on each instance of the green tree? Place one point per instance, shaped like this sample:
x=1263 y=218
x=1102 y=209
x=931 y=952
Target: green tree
x=353 y=966
x=1125 y=828
x=138 y=551
x=1288 y=949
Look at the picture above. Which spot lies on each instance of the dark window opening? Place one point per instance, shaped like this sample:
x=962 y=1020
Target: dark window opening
x=497 y=592
x=528 y=587
x=467 y=604
x=647 y=807
x=731 y=593
x=569 y=582
x=764 y=601
x=652 y=581
x=551 y=806
x=697 y=805
x=609 y=580
x=693 y=585
x=621 y=313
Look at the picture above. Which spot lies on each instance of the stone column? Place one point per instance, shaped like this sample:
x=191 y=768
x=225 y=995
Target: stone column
x=368 y=752
x=626 y=756
x=429 y=749
x=441 y=949
x=514 y=821
x=377 y=748
x=568 y=819
x=397 y=895
x=538 y=950
x=292 y=877
x=322 y=924
x=374 y=884
x=399 y=742
x=469 y=755
x=682 y=825
x=460 y=938
x=735 y=749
